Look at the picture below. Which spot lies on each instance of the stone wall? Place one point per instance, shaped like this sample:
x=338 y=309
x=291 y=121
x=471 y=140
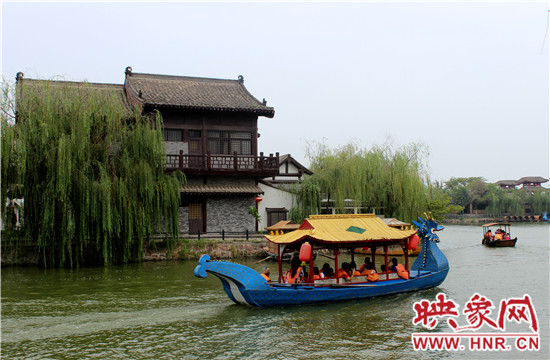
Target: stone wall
x=230 y=213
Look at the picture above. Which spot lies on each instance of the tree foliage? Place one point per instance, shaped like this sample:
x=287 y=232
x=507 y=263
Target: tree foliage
x=474 y=192
x=380 y=177
x=91 y=173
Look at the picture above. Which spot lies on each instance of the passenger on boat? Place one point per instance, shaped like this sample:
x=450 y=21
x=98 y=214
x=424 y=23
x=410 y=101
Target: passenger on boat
x=304 y=269
x=366 y=265
x=316 y=275
x=393 y=267
x=326 y=271
x=295 y=274
x=367 y=268
x=506 y=236
x=265 y=274
x=347 y=272
x=371 y=273
x=488 y=235
x=400 y=269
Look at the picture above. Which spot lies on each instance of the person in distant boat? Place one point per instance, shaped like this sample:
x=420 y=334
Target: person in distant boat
x=498 y=234
x=295 y=274
x=488 y=235
x=265 y=274
x=506 y=236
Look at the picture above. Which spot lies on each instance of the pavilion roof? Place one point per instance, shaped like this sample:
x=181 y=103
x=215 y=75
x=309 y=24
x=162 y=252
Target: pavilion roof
x=532 y=179
x=508 y=182
x=342 y=229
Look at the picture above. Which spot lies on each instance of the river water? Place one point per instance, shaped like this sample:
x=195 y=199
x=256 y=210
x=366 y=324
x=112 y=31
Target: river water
x=159 y=310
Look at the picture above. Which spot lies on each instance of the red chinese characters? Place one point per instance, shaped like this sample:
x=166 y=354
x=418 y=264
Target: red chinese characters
x=477 y=310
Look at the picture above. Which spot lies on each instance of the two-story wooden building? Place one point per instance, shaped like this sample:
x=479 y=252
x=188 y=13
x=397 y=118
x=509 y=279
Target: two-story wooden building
x=211 y=135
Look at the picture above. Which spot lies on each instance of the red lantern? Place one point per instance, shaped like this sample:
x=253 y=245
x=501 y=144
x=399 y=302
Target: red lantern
x=413 y=242
x=305 y=252
x=258 y=199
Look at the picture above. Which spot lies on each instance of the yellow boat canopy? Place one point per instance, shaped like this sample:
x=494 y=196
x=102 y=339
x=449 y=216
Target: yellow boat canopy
x=343 y=229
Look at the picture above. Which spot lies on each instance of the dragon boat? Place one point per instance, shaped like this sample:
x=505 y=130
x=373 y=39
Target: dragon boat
x=341 y=235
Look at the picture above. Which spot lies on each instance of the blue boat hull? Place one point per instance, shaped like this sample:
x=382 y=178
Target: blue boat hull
x=246 y=286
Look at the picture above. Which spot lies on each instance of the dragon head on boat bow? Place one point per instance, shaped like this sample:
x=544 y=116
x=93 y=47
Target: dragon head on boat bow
x=430 y=258
x=427 y=228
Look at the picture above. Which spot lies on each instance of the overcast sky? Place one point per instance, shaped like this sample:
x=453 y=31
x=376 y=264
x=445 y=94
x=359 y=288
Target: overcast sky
x=470 y=80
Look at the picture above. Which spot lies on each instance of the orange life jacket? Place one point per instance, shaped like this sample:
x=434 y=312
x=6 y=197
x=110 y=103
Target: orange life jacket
x=316 y=277
x=266 y=277
x=402 y=272
x=372 y=276
x=342 y=274
x=298 y=278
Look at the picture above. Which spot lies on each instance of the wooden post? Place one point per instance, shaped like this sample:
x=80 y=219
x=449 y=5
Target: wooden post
x=181 y=160
x=235 y=161
x=336 y=265
x=386 y=261
x=406 y=250
x=280 y=256
x=261 y=160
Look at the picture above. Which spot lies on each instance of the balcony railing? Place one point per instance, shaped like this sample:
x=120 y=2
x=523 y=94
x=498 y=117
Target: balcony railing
x=224 y=164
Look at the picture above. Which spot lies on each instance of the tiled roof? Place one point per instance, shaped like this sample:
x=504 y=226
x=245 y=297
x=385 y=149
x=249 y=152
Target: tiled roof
x=221 y=189
x=193 y=93
x=532 y=179
x=341 y=229
x=283 y=225
x=507 y=182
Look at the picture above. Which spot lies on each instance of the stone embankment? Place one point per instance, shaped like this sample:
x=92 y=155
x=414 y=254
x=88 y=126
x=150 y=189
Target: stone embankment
x=191 y=249
x=185 y=249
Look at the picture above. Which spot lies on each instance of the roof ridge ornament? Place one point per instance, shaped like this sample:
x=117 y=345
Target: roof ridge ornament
x=19 y=76
x=128 y=71
x=241 y=79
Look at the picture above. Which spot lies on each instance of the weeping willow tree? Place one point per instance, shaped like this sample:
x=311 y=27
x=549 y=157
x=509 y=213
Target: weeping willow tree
x=307 y=201
x=90 y=172
x=380 y=177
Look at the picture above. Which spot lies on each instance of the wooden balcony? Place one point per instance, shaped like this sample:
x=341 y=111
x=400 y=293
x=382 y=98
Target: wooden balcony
x=224 y=164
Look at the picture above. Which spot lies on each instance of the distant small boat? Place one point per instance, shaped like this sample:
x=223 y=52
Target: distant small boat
x=501 y=237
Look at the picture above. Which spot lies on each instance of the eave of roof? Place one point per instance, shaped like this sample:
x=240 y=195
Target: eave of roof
x=221 y=190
